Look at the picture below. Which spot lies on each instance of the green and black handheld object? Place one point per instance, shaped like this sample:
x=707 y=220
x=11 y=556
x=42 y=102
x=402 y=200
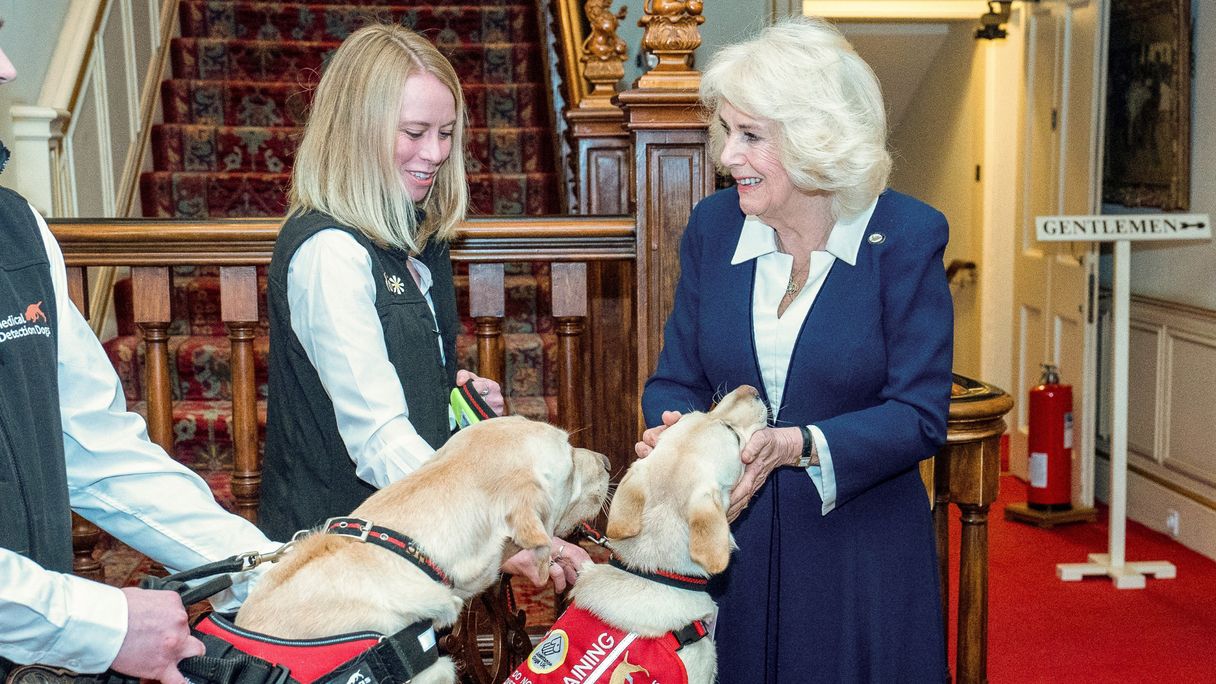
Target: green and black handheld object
x=469 y=407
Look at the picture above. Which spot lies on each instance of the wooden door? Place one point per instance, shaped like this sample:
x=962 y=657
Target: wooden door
x=1060 y=156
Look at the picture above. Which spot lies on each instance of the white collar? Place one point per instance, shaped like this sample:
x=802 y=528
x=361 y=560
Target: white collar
x=844 y=241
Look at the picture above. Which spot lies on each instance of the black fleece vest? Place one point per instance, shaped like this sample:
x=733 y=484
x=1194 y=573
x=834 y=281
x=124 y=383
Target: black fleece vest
x=37 y=521
x=307 y=473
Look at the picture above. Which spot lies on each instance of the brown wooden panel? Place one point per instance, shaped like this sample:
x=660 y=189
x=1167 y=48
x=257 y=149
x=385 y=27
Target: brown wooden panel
x=611 y=386
x=679 y=176
x=486 y=294
x=569 y=289
x=604 y=176
x=150 y=287
x=239 y=293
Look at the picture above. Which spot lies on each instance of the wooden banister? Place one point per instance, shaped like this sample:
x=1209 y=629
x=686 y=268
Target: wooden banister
x=249 y=242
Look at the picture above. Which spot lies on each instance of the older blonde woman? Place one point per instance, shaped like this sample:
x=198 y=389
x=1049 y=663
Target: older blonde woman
x=811 y=281
x=363 y=318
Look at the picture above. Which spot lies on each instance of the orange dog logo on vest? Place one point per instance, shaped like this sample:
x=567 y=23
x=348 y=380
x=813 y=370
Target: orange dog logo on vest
x=623 y=674
x=33 y=312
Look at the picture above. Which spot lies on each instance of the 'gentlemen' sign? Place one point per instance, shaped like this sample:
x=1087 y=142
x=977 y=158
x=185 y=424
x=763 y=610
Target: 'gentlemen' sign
x=1111 y=227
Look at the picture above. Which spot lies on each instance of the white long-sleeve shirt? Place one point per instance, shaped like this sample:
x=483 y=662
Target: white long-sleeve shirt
x=332 y=297
x=775 y=336
x=126 y=485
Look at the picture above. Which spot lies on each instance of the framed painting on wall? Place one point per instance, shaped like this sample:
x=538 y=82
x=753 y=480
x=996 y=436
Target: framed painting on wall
x=1148 y=105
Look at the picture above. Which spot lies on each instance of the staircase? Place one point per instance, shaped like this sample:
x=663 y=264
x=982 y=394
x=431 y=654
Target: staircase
x=238 y=94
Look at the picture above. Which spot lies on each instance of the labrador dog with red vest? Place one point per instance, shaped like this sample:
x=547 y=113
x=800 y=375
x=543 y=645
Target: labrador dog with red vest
x=642 y=616
x=414 y=552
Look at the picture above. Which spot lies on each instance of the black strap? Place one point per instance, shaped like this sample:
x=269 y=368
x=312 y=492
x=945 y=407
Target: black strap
x=667 y=577
x=398 y=658
x=690 y=633
x=398 y=543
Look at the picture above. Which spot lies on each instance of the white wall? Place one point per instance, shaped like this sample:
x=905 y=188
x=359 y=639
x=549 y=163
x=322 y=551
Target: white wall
x=1186 y=272
x=936 y=147
x=31 y=30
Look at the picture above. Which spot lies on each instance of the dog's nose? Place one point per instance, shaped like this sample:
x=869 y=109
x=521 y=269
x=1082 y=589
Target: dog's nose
x=749 y=390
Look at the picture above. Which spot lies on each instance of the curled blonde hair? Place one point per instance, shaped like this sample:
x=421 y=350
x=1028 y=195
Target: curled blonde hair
x=832 y=125
x=344 y=165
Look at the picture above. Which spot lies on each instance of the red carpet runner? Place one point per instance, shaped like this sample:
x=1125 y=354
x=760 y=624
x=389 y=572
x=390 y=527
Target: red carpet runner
x=1043 y=630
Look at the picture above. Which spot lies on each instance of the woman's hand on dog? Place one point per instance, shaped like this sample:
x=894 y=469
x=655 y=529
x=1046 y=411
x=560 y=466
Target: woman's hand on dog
x=158 y=637
x=486 y=387
x=565 y=559
x=651 y=436
x=767 y=450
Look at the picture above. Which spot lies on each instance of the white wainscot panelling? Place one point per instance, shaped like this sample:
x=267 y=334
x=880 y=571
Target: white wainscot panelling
x=1143 y=351
x=1172 y=408
x=1191 y=386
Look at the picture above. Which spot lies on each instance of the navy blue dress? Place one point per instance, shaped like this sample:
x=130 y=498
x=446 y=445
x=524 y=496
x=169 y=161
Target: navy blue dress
x=851 y=596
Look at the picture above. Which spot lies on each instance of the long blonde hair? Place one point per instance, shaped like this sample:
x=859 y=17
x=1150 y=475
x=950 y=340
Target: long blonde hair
x=344 y=165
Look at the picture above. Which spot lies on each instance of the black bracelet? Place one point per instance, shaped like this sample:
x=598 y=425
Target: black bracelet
x=807 y=443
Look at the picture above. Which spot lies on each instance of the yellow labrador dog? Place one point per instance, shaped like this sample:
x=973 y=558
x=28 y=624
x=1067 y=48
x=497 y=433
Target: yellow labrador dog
x=668 y=533
x=496 y=487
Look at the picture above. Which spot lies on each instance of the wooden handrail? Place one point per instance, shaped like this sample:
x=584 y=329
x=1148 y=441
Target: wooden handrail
x=228 y=242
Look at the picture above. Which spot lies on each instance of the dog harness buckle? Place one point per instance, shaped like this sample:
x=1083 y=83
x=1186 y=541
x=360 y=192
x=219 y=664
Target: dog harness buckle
x=345 y=523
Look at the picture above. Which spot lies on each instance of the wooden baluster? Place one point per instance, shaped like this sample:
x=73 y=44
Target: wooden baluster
x=150 y=285
x=972 y=455
x=85 y=535
x=239 y=310
x=78 y=289
x=570 y=313
x=941 y=529
x=487 y=306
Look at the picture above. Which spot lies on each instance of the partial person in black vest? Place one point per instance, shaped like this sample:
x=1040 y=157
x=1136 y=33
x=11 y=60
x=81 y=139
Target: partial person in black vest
x=68 y=443
x=363 y=318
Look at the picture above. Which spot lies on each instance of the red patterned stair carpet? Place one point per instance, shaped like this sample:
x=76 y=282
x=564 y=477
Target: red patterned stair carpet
x=242 y=74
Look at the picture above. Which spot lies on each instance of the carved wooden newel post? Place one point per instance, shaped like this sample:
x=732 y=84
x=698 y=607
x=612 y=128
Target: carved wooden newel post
x=966 y=473
x=671 y=167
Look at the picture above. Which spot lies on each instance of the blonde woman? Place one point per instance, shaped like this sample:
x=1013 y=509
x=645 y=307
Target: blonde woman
x=363 y=318
x=814 y=283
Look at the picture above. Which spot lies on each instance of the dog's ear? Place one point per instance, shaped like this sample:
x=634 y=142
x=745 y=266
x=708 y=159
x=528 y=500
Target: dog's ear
x=625 y=513
x=708 y=532
x=526 y=520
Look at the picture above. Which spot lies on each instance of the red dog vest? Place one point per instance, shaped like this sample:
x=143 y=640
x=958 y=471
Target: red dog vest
x=582 y=649
x=308 y=659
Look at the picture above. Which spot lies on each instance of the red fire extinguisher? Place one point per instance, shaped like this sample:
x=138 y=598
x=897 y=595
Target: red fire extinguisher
x=1049 y=442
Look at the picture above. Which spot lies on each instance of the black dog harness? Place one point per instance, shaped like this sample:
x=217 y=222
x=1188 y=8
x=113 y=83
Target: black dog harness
x=240 y=656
